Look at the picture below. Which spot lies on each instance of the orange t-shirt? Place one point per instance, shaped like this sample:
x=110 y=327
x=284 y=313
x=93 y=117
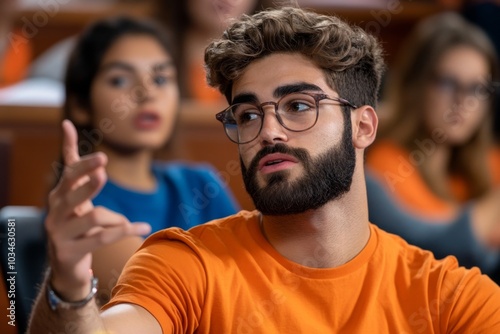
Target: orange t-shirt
x=15 y=61
x=392 y=164
x=224 y=277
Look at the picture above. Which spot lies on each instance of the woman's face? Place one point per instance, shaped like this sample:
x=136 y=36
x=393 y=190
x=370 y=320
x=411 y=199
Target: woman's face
x=134 y=96
x=215 y=15
x=457 y=95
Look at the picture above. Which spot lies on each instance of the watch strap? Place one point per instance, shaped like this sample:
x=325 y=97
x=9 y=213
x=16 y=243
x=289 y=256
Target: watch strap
x=55 y=301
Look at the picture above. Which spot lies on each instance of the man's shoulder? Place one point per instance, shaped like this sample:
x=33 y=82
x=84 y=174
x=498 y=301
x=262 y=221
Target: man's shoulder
x=419 y=266
x=396 y=248
x=214 y=232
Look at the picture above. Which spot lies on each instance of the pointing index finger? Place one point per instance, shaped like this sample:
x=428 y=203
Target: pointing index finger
x=70 y=143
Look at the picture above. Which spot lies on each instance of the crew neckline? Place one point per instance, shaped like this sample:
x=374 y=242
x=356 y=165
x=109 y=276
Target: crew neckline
x=360 y=260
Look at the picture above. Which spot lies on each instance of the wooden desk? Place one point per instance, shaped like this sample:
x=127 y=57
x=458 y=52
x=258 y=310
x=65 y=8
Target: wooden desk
x=35 y=139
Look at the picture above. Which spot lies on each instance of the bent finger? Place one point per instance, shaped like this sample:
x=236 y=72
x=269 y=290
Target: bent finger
x=78 y=173
x=99 y=217
x=108 y=236
x=66 y=203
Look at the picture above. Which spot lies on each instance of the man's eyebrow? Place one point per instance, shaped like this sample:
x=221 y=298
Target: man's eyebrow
x=295 y=88
x=278 y=92
x=245 y=98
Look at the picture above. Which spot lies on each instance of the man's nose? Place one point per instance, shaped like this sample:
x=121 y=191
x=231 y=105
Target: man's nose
x=272 y=130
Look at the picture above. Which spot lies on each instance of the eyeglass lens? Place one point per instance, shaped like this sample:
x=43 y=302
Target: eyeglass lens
x=296 y=112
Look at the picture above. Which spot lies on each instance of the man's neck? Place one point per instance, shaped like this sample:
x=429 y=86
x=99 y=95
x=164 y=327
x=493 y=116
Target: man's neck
x=324 y=238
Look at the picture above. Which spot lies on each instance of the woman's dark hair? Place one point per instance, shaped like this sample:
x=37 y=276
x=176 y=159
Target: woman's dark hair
x=89 y=51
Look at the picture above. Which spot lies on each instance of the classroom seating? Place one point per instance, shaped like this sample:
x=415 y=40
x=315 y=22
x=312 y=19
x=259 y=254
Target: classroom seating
x=21 y=233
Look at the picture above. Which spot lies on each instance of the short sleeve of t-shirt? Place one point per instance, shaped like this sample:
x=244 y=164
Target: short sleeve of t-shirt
x=172 y=270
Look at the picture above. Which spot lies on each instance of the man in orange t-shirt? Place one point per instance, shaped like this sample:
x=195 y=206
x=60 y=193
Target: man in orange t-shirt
x=302 y=89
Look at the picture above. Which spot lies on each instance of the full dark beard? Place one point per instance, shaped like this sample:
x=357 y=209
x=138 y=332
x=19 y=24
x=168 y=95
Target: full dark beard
x=327 y=177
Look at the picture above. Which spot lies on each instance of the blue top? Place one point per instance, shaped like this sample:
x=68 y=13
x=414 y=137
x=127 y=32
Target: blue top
x=185 y=196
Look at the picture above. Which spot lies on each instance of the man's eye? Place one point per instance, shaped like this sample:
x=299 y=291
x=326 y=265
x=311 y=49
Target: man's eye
x=298 y=106
x=247 y=116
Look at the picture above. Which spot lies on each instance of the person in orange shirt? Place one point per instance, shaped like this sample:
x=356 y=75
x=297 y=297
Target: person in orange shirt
x=15 y=48
x=436 y=152
x=195 y=23
x=302 y=89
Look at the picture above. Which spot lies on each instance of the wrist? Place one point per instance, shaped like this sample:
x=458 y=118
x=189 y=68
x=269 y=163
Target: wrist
x=73 y=300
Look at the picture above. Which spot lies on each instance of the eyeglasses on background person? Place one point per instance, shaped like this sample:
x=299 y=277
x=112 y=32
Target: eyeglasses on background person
x=452 y=87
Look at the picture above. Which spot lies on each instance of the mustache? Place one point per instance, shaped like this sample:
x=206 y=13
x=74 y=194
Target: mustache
x=301 y=154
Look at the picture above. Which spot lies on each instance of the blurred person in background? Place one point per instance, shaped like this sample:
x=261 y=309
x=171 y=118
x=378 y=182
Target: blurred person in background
x=15 y=47
x=122 y=95
x=435 y=154
x=485 y=14
x=195 y=24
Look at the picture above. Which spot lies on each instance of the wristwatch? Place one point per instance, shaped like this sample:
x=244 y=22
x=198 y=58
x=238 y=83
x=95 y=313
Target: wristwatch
x=56 y=302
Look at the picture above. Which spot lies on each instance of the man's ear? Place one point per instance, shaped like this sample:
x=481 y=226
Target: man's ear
x=78 y=114
x=364 y=126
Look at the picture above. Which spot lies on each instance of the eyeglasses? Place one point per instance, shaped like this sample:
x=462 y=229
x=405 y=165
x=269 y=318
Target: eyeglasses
x=452 y=87
x=295 y=112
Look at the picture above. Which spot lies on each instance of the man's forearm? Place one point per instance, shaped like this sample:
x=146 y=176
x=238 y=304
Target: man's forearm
x=45 y=320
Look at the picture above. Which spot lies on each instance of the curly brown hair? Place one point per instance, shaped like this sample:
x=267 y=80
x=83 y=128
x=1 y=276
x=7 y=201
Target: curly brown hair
x=350 y=58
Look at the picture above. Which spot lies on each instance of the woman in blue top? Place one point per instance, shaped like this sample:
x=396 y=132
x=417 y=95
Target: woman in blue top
x=123 y=98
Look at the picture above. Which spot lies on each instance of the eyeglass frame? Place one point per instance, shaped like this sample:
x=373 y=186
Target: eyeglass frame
x=221 y=116
x=459 y=88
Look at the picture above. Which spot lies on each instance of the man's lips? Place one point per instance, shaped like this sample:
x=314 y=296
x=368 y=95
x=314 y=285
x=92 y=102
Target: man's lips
x=276 y=161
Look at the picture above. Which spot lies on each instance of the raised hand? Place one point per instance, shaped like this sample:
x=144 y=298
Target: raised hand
x=74 y=226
